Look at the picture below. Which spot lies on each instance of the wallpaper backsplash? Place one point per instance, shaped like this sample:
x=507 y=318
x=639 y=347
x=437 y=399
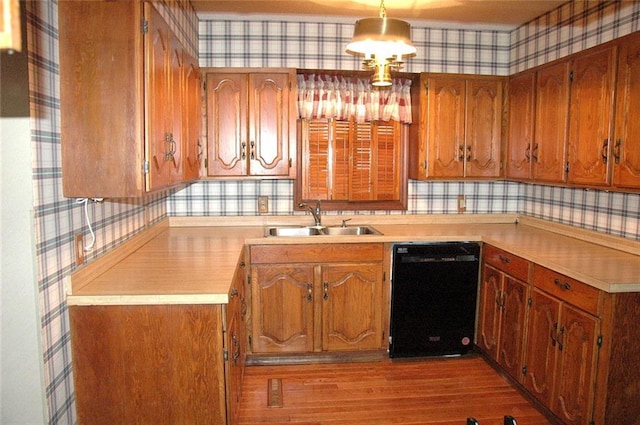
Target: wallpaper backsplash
x=313 y=43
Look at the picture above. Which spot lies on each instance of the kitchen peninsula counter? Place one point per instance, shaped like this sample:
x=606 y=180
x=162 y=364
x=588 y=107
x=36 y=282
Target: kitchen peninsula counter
x=193 y=260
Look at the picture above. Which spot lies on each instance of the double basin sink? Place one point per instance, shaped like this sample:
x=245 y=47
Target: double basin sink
x=301 y=231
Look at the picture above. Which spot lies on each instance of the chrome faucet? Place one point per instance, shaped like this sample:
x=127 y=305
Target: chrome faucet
x=314 y=211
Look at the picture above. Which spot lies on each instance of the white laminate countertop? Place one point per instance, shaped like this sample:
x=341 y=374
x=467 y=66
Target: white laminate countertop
x=193 y=262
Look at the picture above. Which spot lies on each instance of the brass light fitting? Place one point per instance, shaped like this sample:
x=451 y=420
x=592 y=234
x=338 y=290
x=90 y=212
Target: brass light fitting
x=384 y=43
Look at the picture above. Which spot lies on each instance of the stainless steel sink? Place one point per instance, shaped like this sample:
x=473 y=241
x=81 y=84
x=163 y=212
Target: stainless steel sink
x=292 y=231
x=300 y=231
x=350 y=231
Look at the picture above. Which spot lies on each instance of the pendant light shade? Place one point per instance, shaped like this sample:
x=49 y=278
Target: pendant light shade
x=384 y=43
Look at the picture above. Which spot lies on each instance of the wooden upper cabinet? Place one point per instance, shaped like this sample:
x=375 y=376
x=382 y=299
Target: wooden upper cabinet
x=270 y=99
x=345 y=162
x=521 y=121
x=250 y=122
x=446 y=97
x=626 y=145
x=226 y=124
x=548 y=152
x=164 y=59
x=192 y=120
x=589 y=142
x=460 y=129
x=483 y=141
x=121 y=100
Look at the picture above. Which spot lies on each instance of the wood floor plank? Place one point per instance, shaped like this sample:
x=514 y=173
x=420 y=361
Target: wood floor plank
x=443 y=391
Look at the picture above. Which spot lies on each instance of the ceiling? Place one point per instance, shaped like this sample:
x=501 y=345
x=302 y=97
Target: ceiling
x=492 y=13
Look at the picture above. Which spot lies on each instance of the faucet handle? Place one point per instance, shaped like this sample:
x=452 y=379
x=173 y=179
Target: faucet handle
x=344 y=222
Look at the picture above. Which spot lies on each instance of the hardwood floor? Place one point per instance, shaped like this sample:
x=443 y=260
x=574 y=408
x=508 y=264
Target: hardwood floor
x=442 y=391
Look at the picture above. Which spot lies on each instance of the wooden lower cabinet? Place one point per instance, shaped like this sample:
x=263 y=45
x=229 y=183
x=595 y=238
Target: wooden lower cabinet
x=503 y=308
x=283 y=306
x=236 y=340
x=148 y=364
x=312 y=298
x=562 y=358
x=567 y=343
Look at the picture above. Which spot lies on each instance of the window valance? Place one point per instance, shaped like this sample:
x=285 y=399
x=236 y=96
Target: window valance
x=339 y=97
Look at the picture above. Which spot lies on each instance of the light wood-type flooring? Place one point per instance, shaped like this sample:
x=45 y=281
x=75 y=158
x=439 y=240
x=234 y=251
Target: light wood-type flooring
x=442 y=391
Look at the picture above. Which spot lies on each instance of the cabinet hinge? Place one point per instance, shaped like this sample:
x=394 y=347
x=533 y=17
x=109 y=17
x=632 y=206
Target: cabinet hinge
x=384 y=276
x=290 y=162
x=524 y=369
x=145 y=26
x=571 y=76
x=599 y=342
x=225 y=354
x=206 y=162
x=249 y=280
x=530 y=302
x=250 y=343
x=145 y=167
x=566 y=167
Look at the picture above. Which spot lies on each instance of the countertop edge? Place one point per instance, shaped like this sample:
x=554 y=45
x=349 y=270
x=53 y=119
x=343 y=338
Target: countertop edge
x=89 y=300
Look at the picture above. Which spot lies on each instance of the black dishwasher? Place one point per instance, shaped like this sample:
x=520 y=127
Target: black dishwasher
x=433 y=298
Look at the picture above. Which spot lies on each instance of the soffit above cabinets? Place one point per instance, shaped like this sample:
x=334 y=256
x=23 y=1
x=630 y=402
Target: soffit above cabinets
x=497 y=13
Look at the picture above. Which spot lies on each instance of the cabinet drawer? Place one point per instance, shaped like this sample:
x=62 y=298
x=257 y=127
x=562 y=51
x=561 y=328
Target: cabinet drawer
x=511 y=264
x=567 y=289
x=316 y=253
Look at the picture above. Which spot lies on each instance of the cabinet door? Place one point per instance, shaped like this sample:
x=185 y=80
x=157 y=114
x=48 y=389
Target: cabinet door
x=520 y=132
x=351 y=307
x=446 y=127
x=226 y=124
x=192 y=119
x=590 y=116
x=282 y=308
x=490 y=308
x=235 y=344
x=576 y=368
x=483 y=138
x=175 y=103
x=269 y=109
x=158 y=137
x=513 y=314
x=551 y=118
x=540 y=350
x=626 y=149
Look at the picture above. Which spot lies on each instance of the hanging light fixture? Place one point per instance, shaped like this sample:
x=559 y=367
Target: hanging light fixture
x=384 y=43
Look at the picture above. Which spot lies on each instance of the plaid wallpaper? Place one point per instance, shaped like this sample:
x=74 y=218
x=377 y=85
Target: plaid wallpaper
x=320 y=45
x=573 y=27
x=310 y=44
